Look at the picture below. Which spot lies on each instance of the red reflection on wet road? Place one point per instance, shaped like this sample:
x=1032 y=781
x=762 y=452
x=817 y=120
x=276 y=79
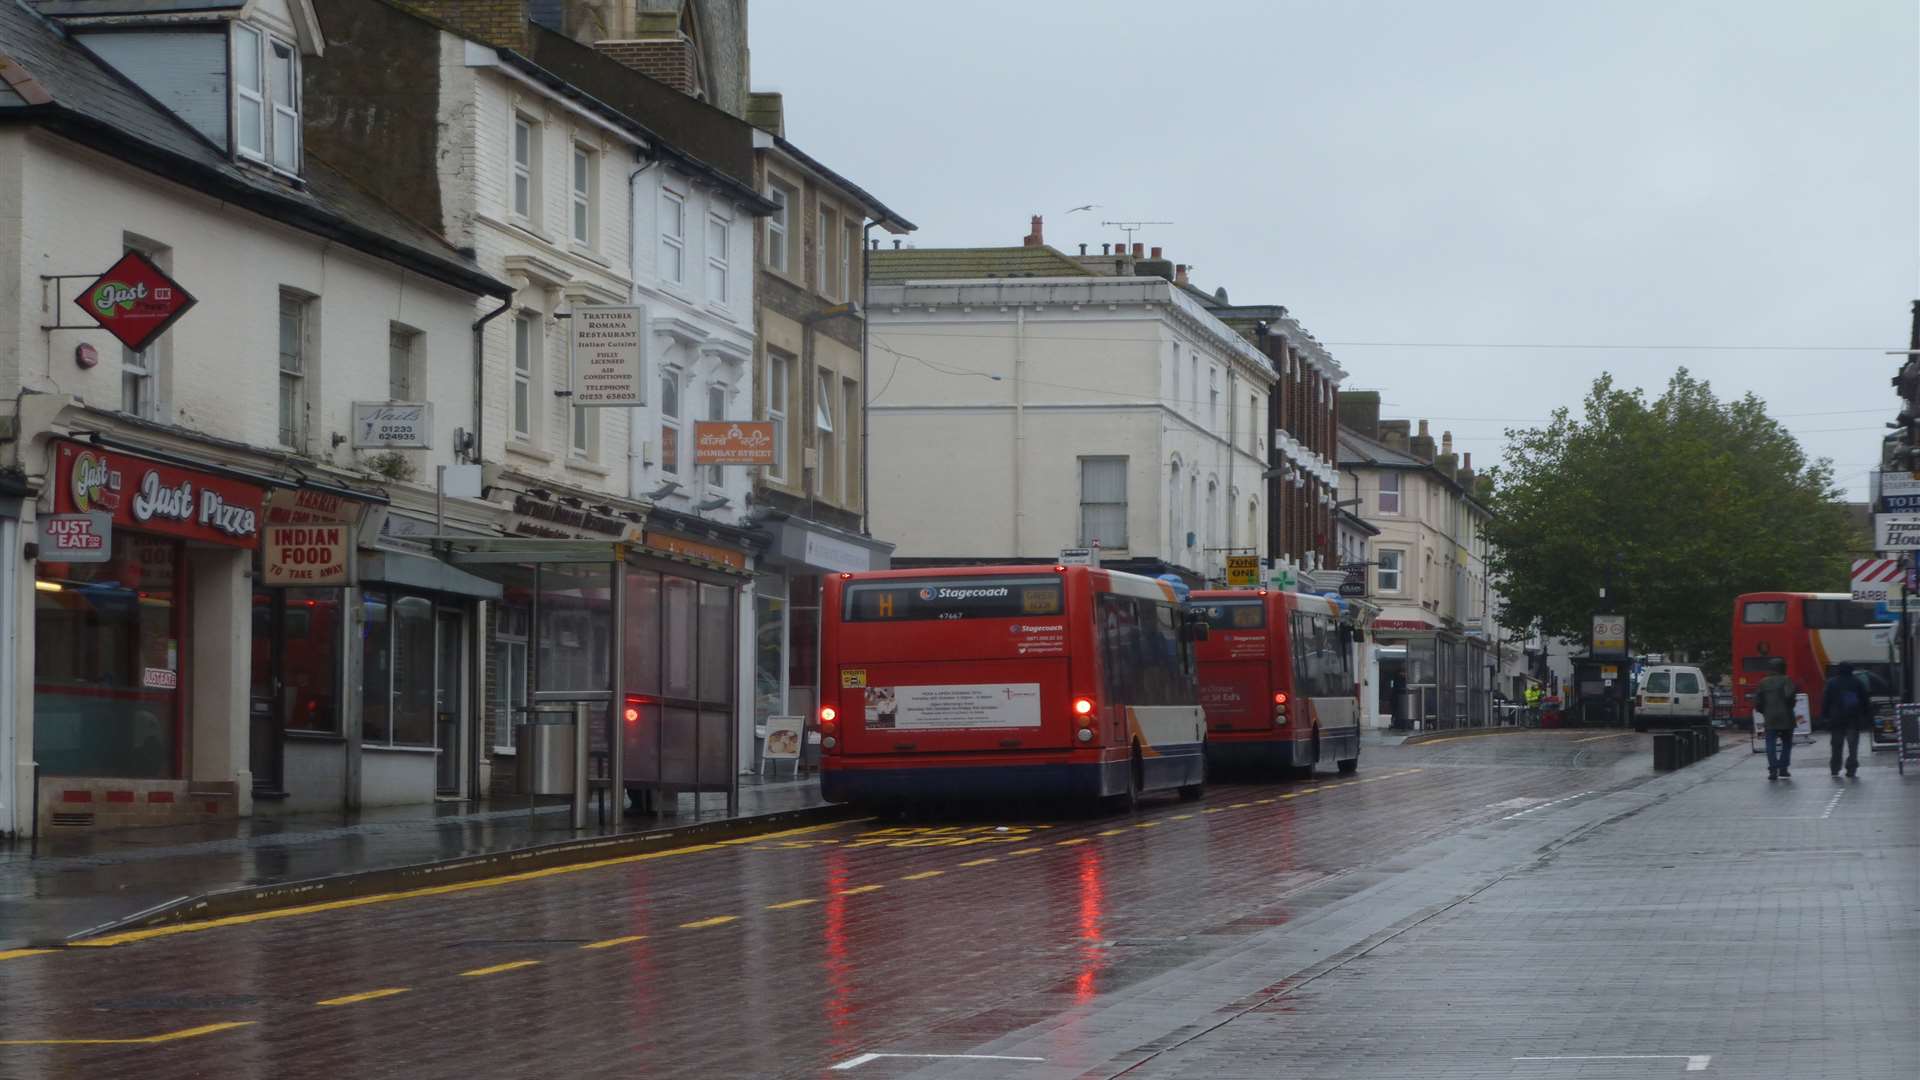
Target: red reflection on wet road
x=838 y=1005
x=1092 y=907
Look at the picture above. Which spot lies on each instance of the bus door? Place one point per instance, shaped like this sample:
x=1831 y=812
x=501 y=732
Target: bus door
x=943 y=665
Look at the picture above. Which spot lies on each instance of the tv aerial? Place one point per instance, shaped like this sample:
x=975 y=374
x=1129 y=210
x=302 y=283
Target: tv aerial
x=1131 y=227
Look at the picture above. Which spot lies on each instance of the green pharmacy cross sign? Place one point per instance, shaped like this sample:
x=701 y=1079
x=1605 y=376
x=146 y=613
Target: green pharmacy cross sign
x=135 y=301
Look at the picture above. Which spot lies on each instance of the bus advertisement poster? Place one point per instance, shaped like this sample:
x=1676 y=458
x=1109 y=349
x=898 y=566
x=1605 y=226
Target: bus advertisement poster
x=953 y=707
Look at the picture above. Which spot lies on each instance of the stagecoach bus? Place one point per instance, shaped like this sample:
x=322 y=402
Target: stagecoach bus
x=1277 y=682
x=1813 y=633
x=1006 y=682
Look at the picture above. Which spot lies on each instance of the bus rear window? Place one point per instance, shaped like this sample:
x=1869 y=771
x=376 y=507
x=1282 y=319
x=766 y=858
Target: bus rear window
x=1764 y=611
x=1233 y=614
x=953 y=598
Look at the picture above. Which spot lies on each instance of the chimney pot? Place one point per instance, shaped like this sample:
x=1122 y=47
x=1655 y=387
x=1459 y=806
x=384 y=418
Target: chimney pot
x=1139 y=251
x=1423 y=429
x=1083 y=249
x=1468 y=459
x=1180 y=274
x=896 y=243
x=1446 y=442
x=1156 y=252
x=1103 y=249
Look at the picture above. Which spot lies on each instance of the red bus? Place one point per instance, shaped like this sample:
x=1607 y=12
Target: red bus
x=1812 y=632
x=1276 y=679
x=1005 y=682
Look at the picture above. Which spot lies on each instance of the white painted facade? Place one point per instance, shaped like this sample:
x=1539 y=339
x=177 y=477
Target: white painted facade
x=600 y=230
x=994 y=399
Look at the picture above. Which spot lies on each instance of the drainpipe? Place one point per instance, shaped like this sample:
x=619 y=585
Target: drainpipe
x=633 y=414
x=480 y=375
x=1233 y=397
x=866 y=383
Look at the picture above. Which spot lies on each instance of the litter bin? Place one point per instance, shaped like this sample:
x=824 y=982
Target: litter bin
x=543 y=749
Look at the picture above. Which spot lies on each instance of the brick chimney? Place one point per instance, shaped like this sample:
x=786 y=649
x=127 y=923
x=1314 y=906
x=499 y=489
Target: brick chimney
x=1394 y=434
x=1360 y=412
x=1421 y=445
x=1446 y=442
x=1180 y=274
x=1034 y=238
x=665 y=60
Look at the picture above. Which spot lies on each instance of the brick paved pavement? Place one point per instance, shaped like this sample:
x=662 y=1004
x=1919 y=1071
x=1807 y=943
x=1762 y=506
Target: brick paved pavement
x=1078 y=941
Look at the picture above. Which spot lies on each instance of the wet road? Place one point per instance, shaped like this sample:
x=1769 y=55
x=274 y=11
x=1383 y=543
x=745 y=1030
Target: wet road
x=1067 y=947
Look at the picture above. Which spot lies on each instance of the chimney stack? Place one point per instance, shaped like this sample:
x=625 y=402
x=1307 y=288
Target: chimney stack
x=1156 y=252
x=1034 y=238
x=1139 y=250
x=1359 y=411
x=1180 y=274
x=1421 y=445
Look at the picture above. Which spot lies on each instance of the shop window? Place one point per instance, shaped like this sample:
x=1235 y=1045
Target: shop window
x=109 y=644
x=510 y=626
x=397 y=670
x=770 y=646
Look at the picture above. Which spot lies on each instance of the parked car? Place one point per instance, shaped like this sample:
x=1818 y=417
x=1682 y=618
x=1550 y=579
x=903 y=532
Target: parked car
x=1671 y=695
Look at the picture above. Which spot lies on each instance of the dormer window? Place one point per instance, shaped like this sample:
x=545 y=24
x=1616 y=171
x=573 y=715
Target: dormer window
x=266 y=99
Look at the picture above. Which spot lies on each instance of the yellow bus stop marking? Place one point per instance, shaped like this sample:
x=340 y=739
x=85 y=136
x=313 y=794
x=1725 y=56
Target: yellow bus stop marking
x=923 y=875
x=612 y=941
x=785 y=905
x=171 y=1036
x=511 y=965
x=702 y=924
x=370 y=995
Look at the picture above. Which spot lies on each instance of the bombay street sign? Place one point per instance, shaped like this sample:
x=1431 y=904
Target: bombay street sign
x=135 y=301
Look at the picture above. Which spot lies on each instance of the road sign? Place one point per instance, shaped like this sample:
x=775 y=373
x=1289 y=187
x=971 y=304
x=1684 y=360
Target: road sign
x=1243 y=571
x=1080 y=556
x=1609 y=635
x=1896 y=532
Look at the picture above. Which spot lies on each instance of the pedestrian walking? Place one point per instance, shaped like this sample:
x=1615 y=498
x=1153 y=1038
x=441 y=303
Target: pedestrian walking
x=1773 y=700
x=1844 y=705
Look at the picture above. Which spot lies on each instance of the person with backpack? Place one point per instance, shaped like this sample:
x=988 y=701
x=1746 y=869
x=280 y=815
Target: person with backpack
x=1844 y=707
x=1773 y=700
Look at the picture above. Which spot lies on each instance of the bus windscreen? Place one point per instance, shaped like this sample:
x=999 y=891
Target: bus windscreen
x=954 y=598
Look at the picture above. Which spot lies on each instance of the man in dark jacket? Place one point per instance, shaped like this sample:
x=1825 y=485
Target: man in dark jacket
x=1773 y=700
x=1845 y=708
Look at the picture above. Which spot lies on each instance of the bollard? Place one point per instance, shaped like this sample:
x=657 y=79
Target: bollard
x=1663 y=751
x=1688 y=751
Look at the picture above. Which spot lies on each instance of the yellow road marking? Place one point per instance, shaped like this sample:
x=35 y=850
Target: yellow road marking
x=370 y=995
x=612 y=941
x=1075 y=840
x=1609 y=735
x=979 y=862
x=702 y=924
x=1146 y=824
x=923 y=875
x=1291 y=795
x=1181 y=817
x=1238 y=805
x=1208 y=810
x=1027 y=851
x=801 y=831
x=171 y=1036
x=511 y=965
x=1306 y=791
x=858 y=889
x=15 y=954
x=786 y=904
x=1113 y=832
x=128 y=937
x=1261 y=802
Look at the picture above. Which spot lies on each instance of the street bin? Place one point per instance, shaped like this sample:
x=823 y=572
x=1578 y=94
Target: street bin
x=1664 y=751
x=543 y=749
x=1689 y=747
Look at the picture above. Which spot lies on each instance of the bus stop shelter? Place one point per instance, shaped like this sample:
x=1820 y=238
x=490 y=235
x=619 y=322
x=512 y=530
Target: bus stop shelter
x=632 y=660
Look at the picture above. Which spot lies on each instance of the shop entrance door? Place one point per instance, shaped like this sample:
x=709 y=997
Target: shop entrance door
x=263 y=696
x=446 y=700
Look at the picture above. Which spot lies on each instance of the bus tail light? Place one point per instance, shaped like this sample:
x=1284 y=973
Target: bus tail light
x=1083 y=707
x=829 y=727
x=1280 y=710
x=631 y=712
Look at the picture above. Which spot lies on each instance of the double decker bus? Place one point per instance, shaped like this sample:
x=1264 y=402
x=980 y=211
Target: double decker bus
x=997 y=682
x=1812 y=632
x=1276 y=679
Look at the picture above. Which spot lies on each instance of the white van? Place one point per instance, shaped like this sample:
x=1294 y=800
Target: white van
x=1672 y=694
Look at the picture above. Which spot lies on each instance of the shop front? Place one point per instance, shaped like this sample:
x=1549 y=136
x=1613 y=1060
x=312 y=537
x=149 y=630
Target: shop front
x=1432 y=677
x=141 y=645
x=786 y=618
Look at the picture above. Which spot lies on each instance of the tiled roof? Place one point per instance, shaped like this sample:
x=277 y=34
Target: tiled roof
x=950 y=264
x=90 y=102
x=1357 y=449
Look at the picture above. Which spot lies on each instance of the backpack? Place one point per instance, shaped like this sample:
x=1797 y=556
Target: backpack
x=1849 y=699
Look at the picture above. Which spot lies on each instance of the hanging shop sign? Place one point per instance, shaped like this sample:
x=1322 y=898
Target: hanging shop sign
x=733 y=442
x=390 y=425
x=1355 y=584
x=1243 y=571
x=309 y=538
x=609 y=358
x=77 y=538
x=154 y=497
x=135 y=301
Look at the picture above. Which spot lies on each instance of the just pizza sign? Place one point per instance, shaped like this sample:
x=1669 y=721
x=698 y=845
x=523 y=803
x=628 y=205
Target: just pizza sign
x=135 y=301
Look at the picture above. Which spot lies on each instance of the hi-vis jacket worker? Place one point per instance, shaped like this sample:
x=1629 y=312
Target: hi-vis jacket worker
x=1533 y=697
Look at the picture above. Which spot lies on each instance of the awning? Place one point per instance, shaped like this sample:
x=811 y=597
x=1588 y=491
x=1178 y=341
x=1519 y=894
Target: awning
x=424 y=572
x=823 y=547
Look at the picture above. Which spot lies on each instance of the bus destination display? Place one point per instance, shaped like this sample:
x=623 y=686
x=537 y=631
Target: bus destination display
x=954 y=598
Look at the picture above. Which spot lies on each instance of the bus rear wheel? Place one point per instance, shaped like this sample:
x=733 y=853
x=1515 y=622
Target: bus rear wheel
x=1348 y=767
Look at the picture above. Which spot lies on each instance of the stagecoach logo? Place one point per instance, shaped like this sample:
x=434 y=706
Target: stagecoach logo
x=979 y=592
x=96 y=485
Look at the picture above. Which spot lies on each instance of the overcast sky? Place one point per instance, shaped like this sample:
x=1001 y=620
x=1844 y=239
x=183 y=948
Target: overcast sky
x=1738 y=173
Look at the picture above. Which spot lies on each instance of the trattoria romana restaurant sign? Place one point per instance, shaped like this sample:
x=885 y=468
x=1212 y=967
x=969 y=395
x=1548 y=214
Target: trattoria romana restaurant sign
x=135 y=301
x=153 y=497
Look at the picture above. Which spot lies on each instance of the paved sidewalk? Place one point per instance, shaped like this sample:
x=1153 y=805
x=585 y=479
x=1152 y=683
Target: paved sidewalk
x=81 y=881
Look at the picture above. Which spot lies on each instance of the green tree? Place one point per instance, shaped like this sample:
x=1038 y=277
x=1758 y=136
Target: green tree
x=1683 y=502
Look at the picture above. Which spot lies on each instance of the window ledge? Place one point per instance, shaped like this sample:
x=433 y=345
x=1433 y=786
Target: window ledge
x=528 y=450
x=387 y=748
x=588 y=466
x=592 y=255
x=505 y=751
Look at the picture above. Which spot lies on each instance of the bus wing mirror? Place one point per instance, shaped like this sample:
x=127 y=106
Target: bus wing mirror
x=1195 y=629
